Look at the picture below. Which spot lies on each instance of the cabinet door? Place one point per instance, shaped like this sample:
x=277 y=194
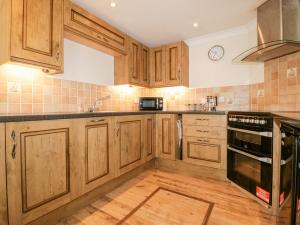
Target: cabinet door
x=134 y=62
x=145 y=66
x=173 y=64
x=94 y=158
x=3 y=196
x=129 y=142
x=149 y=137
x=37 y=32
x=38 y=168
x=205 y=152
x=166 y=136
x=82 y=26
x=158 y=67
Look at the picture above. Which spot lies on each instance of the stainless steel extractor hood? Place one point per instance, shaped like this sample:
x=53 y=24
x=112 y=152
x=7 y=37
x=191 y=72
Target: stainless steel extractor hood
x=278 y=31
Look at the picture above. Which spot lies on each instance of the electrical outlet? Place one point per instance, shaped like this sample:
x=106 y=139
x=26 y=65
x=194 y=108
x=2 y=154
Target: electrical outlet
x=221 y=99
x=260 y=93
x=13 y=87
x=292 y=72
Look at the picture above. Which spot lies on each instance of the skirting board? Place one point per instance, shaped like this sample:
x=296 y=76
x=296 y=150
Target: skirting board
x=188 y=169
x=67 y=210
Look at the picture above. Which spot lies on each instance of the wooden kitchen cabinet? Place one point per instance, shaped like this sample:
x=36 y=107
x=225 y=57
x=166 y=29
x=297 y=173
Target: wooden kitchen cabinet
x=145 y=66
x=166 y=136
x=204 y=151
x=157 y=66
x=32 y=33
x=133 y=68
x=128 y=143
x=95 y=157
x=38 y=168
x=85 y=28
x=170 y=65
x=204 y=140
x=149 y=137
x=3 y=195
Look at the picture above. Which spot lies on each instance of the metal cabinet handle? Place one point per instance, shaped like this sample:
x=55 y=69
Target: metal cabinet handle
x=205 y=141
x=203 y=131
x=13 y=137
x=118 y=129
x=57 y=53
x=97 y=121
x=203 y=119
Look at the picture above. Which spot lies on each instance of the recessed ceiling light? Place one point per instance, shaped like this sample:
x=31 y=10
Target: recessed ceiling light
x=113 y=4
x=195 y=24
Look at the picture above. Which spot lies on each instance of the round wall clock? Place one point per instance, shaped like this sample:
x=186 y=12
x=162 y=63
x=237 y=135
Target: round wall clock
x=216 y=53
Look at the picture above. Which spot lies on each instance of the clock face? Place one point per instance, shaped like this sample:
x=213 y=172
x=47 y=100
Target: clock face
x=216 y=53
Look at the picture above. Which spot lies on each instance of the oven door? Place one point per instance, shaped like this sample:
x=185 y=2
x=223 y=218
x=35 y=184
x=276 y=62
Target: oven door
x=258 y=143
x=253 y=173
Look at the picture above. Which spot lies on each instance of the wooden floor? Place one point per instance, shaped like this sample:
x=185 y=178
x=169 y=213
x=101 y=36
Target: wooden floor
x=157 y=197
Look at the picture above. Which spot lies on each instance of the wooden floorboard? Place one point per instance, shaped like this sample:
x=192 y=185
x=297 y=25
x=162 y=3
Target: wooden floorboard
x=157 y=197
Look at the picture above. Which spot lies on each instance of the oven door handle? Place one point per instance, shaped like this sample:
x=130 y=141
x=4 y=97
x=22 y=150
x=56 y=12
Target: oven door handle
x=284 y=162
x=265 y=134
x=261 y=159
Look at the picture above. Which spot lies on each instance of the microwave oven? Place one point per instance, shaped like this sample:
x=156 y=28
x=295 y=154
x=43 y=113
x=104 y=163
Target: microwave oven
x=151 y=103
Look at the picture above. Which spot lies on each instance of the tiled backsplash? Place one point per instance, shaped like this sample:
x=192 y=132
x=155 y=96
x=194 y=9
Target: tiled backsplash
x=281 y=88
x=24 y=90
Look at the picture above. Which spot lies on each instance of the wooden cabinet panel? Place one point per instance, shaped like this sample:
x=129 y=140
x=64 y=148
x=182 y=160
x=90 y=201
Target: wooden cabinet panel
x=166 y=136
x=129 y=142
x=82 y=26
x=145 y=66
x=173 y=64
x=134 y=62
x=205 y=131
x=37 y=32
x=205 y=120
x=170 y=65
x=204 y=151
x=149 y=134
x=157 y=66
x=94 y=161
x=3 y=195
x=38 y=168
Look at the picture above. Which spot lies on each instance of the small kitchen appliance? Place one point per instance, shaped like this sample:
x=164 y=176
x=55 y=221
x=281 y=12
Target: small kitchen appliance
x=151 y=103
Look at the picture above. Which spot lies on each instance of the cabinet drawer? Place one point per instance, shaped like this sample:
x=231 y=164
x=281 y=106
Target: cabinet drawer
x=204 y=151
x=205 y=120
x=82 y=23
x=204 y=131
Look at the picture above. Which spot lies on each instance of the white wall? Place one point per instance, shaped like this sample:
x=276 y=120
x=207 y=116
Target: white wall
x=87 y=65
x=206 y=73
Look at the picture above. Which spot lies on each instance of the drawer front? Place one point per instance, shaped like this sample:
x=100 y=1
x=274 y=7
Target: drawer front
x=83 y=23
x=204 y=151
x=205 y=120
x=204 y=131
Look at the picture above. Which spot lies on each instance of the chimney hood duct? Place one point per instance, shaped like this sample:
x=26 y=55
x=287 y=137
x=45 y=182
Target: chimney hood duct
x=278 y=31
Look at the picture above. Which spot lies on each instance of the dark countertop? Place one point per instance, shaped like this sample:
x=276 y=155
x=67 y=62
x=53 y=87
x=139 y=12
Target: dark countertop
x=57 y=116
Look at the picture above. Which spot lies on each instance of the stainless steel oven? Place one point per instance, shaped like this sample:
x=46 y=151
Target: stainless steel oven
x=250 y=145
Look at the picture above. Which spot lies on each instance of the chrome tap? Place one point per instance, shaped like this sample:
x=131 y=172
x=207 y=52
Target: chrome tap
x=99 y=101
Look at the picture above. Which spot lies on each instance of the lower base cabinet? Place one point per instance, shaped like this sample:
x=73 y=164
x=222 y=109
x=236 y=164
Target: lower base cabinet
x=94 y=159
x=38 y=159
x=3 y=197
x=204 y=152
x=128 y=143
x=166 y=136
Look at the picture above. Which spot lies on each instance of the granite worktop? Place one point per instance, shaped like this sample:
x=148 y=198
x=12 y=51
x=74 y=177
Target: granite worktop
x=73 y=115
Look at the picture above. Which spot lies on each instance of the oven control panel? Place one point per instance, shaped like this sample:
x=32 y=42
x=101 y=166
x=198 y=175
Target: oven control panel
x=255 y=120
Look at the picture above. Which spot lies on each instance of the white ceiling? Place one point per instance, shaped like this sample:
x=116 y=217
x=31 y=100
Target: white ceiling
x=158 y=22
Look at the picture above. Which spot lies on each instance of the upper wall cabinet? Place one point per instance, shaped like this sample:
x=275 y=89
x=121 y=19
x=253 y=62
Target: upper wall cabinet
x=170 y=65
x=32 y=33
x=133 y=68
x=83 y=27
